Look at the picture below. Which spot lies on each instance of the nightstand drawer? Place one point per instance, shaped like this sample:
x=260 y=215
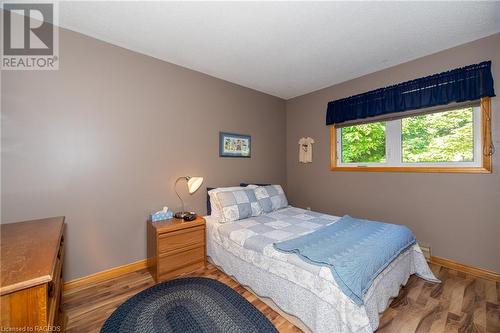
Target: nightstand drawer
x=173 y=241
x=181 y=262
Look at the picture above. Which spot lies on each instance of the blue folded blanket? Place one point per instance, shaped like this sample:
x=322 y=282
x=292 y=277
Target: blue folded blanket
x=355 y=250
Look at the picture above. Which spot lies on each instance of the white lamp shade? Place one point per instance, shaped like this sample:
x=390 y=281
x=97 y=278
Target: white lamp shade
x=194 y=184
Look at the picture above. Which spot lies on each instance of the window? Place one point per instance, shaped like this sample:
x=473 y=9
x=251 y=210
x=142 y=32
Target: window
x=450 y=140
x=363 y=143
x=440 y=137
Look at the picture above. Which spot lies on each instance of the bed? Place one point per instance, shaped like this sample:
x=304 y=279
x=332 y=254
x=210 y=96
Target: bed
x=244 y=249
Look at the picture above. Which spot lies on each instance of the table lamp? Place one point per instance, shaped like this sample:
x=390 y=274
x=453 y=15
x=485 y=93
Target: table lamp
x=193 y=184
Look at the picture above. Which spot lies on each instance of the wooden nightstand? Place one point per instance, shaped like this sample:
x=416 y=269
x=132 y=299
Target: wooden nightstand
x=175 y=247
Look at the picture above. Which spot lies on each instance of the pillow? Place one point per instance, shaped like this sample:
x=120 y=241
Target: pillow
x=271 y=197
x=233 y=205
x=246 y=184
x=209 y=204
x=211 y=208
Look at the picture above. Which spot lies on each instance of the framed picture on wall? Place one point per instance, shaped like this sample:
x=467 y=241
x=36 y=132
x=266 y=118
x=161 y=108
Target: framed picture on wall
x=234 y=145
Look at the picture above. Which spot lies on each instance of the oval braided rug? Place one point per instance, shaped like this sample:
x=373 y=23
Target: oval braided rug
x=187 y=305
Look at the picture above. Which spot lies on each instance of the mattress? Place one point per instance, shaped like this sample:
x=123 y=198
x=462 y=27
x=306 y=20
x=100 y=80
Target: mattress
x=244 y=250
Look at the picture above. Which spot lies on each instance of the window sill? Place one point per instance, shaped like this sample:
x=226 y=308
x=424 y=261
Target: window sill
x=414 y=169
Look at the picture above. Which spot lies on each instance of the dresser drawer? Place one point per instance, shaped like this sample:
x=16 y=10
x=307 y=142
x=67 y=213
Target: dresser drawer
x=54 y=290
x=181 y=262
x=173 y=241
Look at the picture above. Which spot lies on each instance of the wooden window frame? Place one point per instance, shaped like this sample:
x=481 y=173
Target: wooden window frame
x=486 y=165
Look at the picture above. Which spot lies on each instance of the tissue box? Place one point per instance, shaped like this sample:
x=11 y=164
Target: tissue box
x=162 y=215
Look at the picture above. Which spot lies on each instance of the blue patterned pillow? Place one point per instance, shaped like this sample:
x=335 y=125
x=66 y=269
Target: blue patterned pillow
x=271 y=197
x=236 y=205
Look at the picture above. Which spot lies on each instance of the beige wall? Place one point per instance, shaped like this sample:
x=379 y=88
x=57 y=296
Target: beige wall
x=102 y=140
x=457 y=214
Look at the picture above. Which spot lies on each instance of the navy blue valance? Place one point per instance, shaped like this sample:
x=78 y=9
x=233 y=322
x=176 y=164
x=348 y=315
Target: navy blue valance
x=458 y=85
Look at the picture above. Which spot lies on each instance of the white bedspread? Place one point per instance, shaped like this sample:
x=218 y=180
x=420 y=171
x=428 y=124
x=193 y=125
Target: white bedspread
x=306 y=291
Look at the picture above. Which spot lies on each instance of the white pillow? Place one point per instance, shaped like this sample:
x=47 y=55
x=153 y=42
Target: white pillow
x=271 y=197
x=215 y=204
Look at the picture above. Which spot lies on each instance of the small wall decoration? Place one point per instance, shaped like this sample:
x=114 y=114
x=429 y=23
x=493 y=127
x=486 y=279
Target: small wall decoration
x=305 y=149
x=234 y=145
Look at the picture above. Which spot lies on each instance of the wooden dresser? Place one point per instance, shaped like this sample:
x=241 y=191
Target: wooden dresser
x=31 y=282
x=175 y=247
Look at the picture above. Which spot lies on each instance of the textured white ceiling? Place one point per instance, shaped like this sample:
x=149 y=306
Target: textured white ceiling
x=285 y=49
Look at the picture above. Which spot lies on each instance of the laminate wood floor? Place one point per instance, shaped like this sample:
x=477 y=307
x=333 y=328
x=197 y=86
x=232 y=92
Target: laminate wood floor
x=462 y=303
